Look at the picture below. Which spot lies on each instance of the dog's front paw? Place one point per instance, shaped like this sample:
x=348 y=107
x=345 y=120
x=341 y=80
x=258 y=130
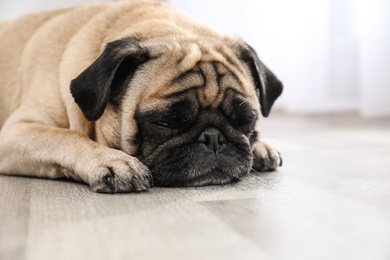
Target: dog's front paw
x=118 y=172
x=266 y=158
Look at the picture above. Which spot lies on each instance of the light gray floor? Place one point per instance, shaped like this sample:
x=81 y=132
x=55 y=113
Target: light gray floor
x=330 y=200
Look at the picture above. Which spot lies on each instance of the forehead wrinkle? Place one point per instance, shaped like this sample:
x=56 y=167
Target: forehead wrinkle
x=192 y=55
x=180 y=59
x=228 y=58
x=210 y=90
x=191 y=66
x=218 y=79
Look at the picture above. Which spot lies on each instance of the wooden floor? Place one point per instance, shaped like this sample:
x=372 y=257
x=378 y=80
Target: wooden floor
x=330 y=200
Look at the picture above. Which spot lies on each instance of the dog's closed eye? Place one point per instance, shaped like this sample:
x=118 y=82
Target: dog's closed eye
x=164 y=124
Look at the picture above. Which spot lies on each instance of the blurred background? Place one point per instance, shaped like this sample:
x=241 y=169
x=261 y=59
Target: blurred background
x=333 y=56
x=331 y=198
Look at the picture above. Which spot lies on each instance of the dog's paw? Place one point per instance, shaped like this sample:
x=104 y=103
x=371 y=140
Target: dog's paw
x=265 y=158
x=118 y=172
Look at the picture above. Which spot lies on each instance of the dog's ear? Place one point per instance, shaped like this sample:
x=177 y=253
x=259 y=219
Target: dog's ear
x=268 y=87
x=107 y=77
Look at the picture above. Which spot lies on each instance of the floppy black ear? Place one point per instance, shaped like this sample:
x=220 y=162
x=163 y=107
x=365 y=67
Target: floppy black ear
x=267 y=84
x=107 y=77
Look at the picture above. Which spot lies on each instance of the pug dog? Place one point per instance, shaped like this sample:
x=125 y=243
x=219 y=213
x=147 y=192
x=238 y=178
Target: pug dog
x=127 y=95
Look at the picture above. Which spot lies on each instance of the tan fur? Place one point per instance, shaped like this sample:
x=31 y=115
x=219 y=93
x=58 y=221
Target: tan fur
x=41 y=53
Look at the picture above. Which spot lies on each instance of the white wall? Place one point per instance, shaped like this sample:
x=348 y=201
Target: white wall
x=332 y=55
x=374 y=55
x=10 y=9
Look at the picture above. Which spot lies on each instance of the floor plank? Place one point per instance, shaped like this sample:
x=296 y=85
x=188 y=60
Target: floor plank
x=330 y=200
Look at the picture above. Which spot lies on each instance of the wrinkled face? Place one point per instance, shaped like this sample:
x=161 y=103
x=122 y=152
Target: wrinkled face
x=189 y=114
x=200 y=134
x=186 y=144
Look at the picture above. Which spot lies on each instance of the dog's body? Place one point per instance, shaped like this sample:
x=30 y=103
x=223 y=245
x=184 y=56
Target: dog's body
x=97 y=92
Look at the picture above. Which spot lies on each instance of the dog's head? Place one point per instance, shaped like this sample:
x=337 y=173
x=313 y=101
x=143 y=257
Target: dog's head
x=187 y=110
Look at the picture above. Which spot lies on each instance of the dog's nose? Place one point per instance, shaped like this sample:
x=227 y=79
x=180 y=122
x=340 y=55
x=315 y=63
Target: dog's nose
x=213 y=139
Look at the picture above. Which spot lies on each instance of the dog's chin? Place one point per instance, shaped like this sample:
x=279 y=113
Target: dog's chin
x=181 y=178
x=214 y=177
x=205 y=179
